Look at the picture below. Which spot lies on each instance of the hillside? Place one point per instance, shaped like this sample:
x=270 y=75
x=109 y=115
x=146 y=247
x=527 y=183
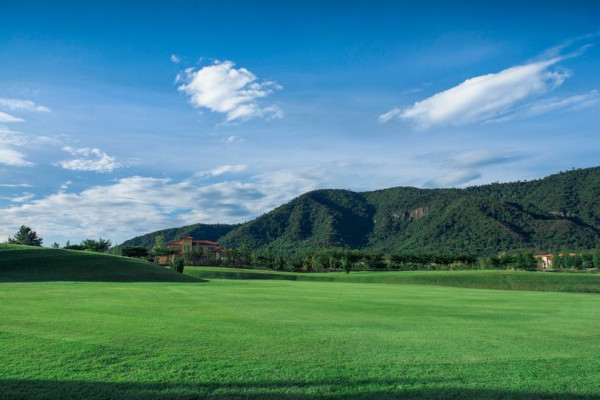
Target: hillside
x=562 y=210
x=205 y=231
x=37 y=264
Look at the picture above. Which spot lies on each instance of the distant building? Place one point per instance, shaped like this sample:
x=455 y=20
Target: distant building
x=545 y=260
x=209 y=253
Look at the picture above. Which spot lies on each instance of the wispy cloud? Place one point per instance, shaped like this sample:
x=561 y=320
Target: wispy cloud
x=90 y=159
x=6 y=118
x=23 y=198
x=235 y=92
x=9 y=141
x=21 y=105
x=494 y=97
x=16 y=185
x=463 y=167
x=221 y=170
x=232 y=139
x=544 y=106
x=12 y=157
x=175 y=59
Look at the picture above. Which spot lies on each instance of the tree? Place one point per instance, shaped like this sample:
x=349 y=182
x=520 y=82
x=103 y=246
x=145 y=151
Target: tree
x=56 y=245
x=177 y=264
x=26 y=236
x=100 y=245
x=195 y=256
x=134 y=251
x=345 y=263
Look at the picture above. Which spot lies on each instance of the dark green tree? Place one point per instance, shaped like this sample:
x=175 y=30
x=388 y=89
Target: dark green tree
x=100 y=245
x=26 y=237
x=134 y=251
x=177 y=264
x=345 y=263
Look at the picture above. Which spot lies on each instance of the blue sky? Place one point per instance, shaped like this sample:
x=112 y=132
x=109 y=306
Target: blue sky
x=120 y=118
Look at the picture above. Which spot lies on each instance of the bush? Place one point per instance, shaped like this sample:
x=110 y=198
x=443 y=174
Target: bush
x=177 y=264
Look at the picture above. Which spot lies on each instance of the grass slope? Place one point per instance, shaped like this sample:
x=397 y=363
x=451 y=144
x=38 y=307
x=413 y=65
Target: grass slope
x=504 y=280
x=25 y=263
x=295 y=339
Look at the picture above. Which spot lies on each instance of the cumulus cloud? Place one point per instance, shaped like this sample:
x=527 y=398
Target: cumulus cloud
x=136 y=205
x=235 y=92
x=493 y=97
x=21 y=105
x=89 y=159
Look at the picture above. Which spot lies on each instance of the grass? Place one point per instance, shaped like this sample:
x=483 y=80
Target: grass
x=504 y=280
x=35 y=264
x=292 y=339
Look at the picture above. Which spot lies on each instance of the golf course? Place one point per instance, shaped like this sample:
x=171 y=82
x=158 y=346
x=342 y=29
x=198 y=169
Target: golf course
x=95 y=326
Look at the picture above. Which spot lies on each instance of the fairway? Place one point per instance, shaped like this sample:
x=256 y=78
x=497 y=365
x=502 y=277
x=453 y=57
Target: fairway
x=294 y=339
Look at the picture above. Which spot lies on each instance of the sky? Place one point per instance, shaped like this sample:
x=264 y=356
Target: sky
x=119 y=118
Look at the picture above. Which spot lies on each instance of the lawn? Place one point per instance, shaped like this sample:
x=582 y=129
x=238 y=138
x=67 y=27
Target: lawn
x=504 y=280
x=284 y=339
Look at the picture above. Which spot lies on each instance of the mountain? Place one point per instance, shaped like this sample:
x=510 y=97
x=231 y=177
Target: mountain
x=203 y=231
x=562 y=210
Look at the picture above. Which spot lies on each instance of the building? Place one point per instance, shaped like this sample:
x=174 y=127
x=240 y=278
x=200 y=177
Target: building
x=205 y=251
x=545 y=260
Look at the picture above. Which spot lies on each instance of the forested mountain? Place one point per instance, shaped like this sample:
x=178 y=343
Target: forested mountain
x=201 y=231
x=560 y=211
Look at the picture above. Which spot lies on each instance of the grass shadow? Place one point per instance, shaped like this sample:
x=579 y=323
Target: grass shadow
x=46 y=389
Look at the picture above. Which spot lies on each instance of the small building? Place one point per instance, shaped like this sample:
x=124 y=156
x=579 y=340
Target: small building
x=545 y=260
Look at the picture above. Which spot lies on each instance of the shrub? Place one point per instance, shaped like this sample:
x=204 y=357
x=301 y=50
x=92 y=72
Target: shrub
x=177 y=264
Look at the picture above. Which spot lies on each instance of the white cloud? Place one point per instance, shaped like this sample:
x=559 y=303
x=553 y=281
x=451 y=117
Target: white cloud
x=462 y=167
x=237 y=93
x=137 y=205
x=90 y=159
x=231 y=139
x=12 y=157
x=221 y=170
x=10 y=139
x=175 y=59
x=25 y=196
x=454 y=178
x=495 y=97
x=544 y=106
x=65 y=185
x=483 y=97
x=16 y=185
x=5 y=118
x=21 y=105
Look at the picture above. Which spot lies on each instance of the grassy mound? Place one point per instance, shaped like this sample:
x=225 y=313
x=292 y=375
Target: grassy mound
x=38 y=264
x=504 y=280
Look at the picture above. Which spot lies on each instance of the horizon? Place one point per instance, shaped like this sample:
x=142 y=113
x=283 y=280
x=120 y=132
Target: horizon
x=120 y=120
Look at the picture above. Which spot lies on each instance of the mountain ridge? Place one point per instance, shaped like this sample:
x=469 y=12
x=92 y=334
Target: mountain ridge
x=560 y=210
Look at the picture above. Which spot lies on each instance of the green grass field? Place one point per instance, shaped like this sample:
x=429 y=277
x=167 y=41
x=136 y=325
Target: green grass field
x=285 y=339
x=504 y=280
